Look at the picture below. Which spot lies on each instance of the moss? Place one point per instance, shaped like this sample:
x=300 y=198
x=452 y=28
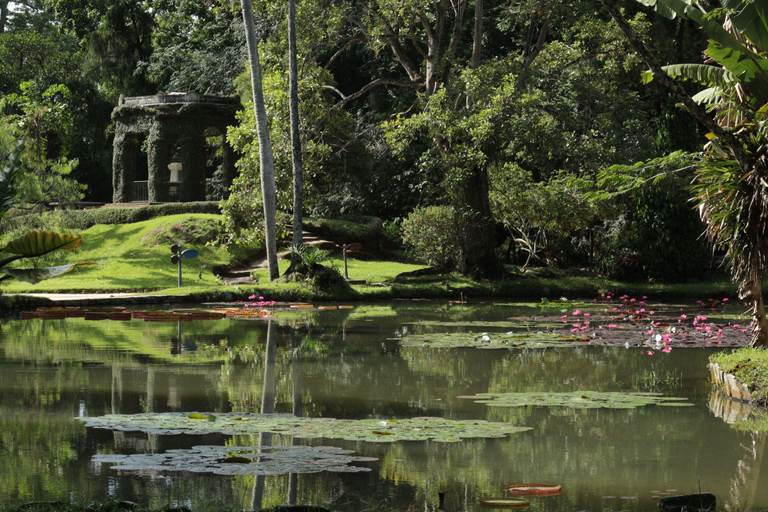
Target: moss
x=748 y=365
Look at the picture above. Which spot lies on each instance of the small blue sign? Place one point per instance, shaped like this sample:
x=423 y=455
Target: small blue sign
x=189 y=253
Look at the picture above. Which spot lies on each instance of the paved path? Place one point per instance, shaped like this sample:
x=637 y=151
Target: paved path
x=103 y=299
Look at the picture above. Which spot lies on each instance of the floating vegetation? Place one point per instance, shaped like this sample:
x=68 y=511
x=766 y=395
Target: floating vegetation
x=370 y=430
x=494 y=340
x=579 y=400
x=504 y=503
x=247 y=460
x=534 y=489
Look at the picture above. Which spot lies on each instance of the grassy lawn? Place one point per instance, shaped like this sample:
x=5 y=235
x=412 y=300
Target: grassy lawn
x=136 y=258
x=129 y=261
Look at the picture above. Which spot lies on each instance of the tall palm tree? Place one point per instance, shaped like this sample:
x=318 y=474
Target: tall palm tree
x=293 y=79
x=731 y=186
x=266 y=161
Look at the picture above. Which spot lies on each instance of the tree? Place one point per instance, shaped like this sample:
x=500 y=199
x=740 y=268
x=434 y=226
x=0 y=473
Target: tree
x=43 y=117
x=293 y=80
x=34 y=243
x=196 y=46
x=117 y=35
x=730 y=189
x=265 y=148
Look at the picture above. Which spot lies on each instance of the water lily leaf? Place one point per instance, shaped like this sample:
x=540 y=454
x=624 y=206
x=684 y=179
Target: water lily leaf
x=38 y=243
x=369 y=430
x=496 y=340
x=578 y=400
x=35 y=275
x=242 y=460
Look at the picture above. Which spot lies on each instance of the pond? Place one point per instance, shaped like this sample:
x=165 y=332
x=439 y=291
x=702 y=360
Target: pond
x=381 y=362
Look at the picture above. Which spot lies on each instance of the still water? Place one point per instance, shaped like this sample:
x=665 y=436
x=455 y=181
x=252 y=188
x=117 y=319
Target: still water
x=346 y=364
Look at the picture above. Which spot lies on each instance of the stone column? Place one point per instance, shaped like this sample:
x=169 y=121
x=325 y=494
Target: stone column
x=158 y=157
x=120 y=170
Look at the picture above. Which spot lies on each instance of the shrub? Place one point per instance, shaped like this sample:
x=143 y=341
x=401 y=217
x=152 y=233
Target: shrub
x=84 y=219
x=348 y=229
x=432 y=235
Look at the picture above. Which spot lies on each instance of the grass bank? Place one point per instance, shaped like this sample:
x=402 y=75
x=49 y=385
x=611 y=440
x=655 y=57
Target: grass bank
x=749 y=366
x=136 y=258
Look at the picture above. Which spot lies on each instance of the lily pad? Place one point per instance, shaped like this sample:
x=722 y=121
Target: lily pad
x=370 y=430
x=505 y=503
x=498 y=340
x=578 y=400
x=248 y=460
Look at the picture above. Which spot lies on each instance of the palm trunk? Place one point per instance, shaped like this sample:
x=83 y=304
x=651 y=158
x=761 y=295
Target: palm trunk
x=760 y=329
x=293 y=80
x=266 y=161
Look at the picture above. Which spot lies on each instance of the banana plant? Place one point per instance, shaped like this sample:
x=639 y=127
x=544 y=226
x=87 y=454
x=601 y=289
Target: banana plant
x=731 y=186
x=34 y=243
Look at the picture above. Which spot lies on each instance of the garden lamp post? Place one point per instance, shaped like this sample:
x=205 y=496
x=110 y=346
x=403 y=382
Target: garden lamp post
x=344 y=249
x=178 y=254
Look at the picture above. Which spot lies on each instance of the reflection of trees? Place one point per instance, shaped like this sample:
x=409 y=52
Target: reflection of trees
x=753 y=419
x=37 y=452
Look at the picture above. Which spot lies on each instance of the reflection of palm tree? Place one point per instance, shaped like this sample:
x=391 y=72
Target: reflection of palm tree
x=267 y=407
x=293 y=478
x=746 y=482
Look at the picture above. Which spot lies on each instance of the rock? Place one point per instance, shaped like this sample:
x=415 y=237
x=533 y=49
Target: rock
x=704 y=502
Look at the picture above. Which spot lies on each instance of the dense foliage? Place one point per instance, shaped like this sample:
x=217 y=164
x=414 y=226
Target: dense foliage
x=492 y=110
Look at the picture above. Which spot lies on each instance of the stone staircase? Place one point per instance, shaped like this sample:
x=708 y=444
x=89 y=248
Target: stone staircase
x=243 y=273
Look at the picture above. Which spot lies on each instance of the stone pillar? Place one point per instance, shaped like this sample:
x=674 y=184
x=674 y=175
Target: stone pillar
x=192 y=187
x=119 y=170
x=158 y=157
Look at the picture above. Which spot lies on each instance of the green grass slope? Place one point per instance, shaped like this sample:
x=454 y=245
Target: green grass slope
x=132 y=257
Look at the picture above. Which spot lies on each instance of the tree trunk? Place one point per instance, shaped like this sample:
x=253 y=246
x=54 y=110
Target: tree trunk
x=267 y=166
x=3 y=14
x=760 y=329
x=477 y=36
x=475 y=224
x=293 y=80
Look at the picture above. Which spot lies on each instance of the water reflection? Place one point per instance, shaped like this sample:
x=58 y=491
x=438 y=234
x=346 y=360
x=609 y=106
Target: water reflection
x=342 y=364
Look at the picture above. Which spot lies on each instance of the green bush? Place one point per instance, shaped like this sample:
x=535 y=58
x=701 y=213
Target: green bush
x=349 y=229
x=432 y=235
x=84 y=219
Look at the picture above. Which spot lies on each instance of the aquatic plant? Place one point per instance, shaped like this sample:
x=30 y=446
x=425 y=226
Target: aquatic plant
x=578 y=400
x=242 y=460
x=370 y=430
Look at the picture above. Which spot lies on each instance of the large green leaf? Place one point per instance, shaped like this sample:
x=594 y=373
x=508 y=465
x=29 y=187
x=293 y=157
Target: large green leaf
x=751 y=20
x=35 y=275
x=750 y=68
x=709 y=96
x=7 y=178
x=38 y=243
x=701 y=73
x=660 y=7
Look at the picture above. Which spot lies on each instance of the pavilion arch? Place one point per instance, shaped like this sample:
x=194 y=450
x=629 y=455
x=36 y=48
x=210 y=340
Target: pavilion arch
x=168 y=131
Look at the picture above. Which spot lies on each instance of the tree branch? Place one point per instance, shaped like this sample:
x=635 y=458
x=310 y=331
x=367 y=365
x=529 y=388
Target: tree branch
x=379 y=82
